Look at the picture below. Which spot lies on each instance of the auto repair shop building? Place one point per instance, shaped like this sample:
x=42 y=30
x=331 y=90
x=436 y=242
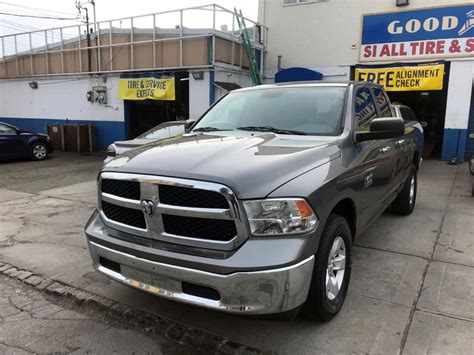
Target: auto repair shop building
x=422 y=51
x=128 y=74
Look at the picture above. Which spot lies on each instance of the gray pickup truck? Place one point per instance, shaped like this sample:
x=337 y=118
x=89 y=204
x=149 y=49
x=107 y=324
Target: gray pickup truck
x=254 y=209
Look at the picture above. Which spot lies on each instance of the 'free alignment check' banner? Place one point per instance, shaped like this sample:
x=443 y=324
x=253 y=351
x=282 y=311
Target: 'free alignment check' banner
x=403 y=77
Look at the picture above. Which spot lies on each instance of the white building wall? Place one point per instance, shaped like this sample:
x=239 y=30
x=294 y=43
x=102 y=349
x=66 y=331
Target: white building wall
x=459 y=94
x=228 y=76
x=59 y=98
x=199 y=95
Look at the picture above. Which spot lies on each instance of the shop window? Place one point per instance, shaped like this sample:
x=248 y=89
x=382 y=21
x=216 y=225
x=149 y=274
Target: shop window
x=365 y=110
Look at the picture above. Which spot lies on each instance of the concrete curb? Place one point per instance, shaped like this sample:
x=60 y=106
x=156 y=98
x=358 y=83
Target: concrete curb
x=193 y=338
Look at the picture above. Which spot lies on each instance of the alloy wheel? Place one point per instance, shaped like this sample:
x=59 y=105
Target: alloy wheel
x=336 y=268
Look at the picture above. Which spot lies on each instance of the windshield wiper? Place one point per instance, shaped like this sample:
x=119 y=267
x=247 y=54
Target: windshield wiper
x=271 y=129
x=209 y=129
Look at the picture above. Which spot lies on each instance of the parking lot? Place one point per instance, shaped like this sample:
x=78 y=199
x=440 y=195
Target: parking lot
x=411 y=290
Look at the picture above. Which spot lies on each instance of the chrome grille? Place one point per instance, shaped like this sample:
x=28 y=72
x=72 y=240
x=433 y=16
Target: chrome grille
x=184 y=196
x=201 y=228
x=188 y=212
x=124 y=215
x=126 y=189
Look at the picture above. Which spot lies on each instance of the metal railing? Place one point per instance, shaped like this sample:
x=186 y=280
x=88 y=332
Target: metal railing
x=99 y=44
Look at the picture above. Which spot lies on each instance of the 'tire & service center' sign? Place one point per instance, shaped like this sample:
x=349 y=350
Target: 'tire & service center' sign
x=438 y=32
x=146 y=88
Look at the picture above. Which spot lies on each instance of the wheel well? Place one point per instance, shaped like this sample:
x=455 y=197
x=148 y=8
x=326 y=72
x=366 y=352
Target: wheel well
x=346 y=209
x=416 y=159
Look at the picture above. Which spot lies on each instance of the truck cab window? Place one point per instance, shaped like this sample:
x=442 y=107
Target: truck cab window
x=365 y=110
x=383 y=102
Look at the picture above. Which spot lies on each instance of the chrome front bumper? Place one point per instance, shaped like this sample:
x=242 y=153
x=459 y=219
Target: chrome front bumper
x=256 y=292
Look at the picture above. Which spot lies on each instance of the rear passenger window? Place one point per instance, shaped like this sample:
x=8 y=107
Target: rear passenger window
x=383 y=102
x=405 y=114
x=408 y=114
x=365 y=110
x=5 y=130
x=413 y=115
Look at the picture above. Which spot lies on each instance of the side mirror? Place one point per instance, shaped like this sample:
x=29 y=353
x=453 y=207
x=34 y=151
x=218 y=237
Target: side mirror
x=383 y=128
x=188 y=124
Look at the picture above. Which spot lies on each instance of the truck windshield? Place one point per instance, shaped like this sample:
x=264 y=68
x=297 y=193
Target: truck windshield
x=303 y=111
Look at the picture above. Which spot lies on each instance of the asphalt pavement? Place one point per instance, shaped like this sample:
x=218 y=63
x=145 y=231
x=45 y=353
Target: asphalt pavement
x=32 y=322
x=411 y=290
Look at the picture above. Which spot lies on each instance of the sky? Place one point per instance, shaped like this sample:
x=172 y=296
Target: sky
x=105 y=10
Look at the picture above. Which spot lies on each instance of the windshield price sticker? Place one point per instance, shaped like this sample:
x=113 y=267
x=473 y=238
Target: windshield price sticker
x=404 y=78
x=438 y=32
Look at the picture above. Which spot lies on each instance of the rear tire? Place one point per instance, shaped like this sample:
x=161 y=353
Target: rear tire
x=404 y=204
x=39 y=151
x=332 y=271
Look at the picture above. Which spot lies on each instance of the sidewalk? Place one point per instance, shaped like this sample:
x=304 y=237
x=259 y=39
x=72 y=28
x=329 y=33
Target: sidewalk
x=412 y=285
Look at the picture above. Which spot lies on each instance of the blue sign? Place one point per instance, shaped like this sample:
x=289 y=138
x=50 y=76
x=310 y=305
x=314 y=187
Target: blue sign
x=437 y=32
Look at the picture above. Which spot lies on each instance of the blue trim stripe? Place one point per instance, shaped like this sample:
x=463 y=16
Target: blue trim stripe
x=211 y=87
x=454 y=143
x=107 y=131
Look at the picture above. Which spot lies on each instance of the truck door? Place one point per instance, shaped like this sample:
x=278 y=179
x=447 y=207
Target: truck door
x=375 y=162
x=397 y=145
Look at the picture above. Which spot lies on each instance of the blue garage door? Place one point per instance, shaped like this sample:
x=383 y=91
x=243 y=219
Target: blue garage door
x=470 y=129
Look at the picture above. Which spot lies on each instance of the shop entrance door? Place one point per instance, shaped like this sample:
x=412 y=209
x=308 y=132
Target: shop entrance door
x=142 y=115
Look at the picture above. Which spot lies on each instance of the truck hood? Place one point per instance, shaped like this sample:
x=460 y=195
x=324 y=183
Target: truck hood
x=251 y=164
x=123 y=146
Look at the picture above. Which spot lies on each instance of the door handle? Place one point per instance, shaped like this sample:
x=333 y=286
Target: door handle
x=385 y=150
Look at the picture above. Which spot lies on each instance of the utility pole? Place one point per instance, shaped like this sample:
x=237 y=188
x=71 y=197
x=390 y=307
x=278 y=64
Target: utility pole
x=80 y=7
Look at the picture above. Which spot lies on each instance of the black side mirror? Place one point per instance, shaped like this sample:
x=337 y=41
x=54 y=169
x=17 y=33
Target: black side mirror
x=189 y=124
x=383 y=128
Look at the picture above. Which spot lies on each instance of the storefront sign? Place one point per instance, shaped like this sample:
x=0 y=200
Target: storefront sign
x=146 y=88
x=438 y=32
x=402 y=77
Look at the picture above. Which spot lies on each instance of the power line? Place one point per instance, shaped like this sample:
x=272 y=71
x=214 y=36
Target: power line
x=43 y=17
x=35 y=8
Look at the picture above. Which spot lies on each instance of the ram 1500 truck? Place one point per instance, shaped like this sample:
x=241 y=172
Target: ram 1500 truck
x=254 y=209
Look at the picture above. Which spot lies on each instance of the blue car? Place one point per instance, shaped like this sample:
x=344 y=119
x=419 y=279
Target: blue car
x=18 y=143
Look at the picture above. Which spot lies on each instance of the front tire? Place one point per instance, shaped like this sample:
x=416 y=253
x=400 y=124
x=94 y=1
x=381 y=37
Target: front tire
x=404 y=204
x=39 y=151
x=332 y=270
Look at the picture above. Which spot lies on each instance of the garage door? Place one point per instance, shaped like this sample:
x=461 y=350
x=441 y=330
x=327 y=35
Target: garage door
x=470 y=129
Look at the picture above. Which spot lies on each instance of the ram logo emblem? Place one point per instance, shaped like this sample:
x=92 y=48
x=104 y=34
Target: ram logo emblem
x=148 y=207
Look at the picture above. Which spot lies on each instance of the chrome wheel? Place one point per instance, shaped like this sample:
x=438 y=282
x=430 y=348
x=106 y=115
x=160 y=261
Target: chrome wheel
x=412 y=190
x=39 y=151
x=336 y=268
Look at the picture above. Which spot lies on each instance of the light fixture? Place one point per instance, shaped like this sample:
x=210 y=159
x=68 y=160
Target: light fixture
x=198 y=75
x=402 y=2
x=33 y=84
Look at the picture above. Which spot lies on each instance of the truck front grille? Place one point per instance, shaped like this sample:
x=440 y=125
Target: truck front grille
x=194 y=213
x=121 y=188
x=128 y=216
x=187 y=197
x=201 y=228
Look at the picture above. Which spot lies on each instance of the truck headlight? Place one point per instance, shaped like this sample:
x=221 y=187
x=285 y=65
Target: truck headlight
x=111 y=151
x=280 y=216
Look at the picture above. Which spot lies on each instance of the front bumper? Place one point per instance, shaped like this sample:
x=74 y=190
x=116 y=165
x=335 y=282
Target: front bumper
x=255 y=292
